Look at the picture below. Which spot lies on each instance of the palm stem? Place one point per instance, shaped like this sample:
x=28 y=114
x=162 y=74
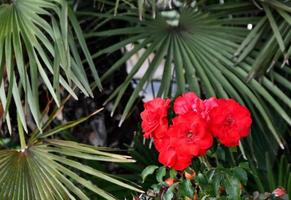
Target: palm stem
x=21 y=134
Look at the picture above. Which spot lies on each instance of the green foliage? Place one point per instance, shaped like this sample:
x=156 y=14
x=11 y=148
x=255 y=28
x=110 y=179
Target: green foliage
x=199 y=49
x=186 y=189
x=206 y=49
x=148 y=171
x=216 y=182
x=222 y=176
x=48 y=168
x=272 y=36
x=37 y=44
x=230 y=180
x=274 y=175
x=45 y=171
x=169 y=194
x=161 y=174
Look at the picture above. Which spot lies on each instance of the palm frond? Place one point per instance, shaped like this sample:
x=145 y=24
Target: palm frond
x=270 y=39
x=47 y=170
x=38 y=46
x=197 y=54
x=275 y=175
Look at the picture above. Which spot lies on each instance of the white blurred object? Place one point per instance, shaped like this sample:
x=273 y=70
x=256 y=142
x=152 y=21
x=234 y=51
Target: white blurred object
x=135 y=58
x=151 y=88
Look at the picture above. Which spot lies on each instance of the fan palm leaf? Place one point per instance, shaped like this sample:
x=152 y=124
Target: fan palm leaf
x=38 y=46
x=198 y=54
x=272 y=35
x=46 y=170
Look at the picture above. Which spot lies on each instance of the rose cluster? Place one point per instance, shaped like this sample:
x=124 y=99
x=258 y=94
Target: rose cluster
x=191 y=131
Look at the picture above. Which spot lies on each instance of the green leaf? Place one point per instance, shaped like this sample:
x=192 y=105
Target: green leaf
x=161 y=174
x=289 y=185
x=274 y=27
x=84 y=47
x=186 y=189
x=232 y=187
x=169 y=194
x=68 y=125
x=281 y=174
x=240 y=174
x=217 y=182
x=256 y=177
x=148 y=171
x=201 y=179
x=173 y=173
x=270 y=175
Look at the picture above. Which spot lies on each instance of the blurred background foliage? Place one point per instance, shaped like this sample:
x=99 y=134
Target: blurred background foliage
x=51 y=53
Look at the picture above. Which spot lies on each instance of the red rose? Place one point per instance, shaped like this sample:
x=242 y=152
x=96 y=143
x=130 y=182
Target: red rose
x=162 y=129
x=168 y=156
x=229 y=121
x=154 y=115
x=161 y=143
x=171 y=158
x=190 y=134
x=187 y=137
x=192 y=130
x=187 y=102
x=208 y=104
x=191 y=102
x=182 y=162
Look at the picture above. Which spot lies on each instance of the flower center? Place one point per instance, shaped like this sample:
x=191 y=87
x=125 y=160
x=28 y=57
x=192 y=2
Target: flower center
x=229 y=120
x=189 y=134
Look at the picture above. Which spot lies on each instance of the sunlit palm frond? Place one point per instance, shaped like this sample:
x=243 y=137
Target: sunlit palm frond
x=47 y=170
x=38 y=46
x=44 y=167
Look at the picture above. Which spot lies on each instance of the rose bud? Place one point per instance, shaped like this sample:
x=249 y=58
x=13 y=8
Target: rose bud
x=190 y=175
x=279 y=192
x=170 y=181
